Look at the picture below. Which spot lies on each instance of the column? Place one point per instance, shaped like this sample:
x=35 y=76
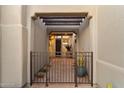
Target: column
x=13 y=45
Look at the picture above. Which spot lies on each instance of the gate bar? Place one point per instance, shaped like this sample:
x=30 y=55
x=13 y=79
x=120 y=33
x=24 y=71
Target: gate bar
x=30 y=68
x=75 y=65
x=92 y=69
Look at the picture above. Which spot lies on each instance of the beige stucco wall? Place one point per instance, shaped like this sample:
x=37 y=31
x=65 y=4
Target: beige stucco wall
x=13 y=47
x=85 y=39
x=10 y=14
x=40 y=36
x=110 y=62
x=0 y=46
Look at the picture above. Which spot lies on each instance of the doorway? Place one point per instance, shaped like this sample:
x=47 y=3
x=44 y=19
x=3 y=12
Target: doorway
x=61 y=63
x=58 y=45
x=62 y=43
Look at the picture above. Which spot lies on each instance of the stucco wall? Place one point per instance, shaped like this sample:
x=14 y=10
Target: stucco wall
x=0 y=46
x=13 y=47
x=110 y=63
x=40 y=36
x=85 y=39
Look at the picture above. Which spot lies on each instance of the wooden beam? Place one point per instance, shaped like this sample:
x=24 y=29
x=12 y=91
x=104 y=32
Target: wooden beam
x=62 y=23
x=33 y=17
x=57 y=20
x=89 y=17
x=76 y=14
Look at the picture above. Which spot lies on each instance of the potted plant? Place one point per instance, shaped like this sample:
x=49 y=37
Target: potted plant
x=81 y=69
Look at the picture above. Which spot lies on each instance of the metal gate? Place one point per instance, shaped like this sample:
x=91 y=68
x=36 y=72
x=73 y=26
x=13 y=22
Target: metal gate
x=46 y=67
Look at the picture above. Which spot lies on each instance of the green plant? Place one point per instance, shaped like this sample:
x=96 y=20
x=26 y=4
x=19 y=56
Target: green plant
x=80 y=61
x=81 y=69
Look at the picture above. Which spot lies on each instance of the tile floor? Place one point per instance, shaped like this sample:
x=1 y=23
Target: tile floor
x=62 y=85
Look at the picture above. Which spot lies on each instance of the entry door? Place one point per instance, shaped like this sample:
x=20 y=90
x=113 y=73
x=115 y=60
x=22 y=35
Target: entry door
x=58 y=46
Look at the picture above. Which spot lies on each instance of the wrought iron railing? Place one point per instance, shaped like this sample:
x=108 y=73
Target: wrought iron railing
x=47 y=67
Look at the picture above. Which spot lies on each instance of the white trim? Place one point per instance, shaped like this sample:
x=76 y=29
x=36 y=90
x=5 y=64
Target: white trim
x=10 y=85
x=121 y=69
x=13 y=25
